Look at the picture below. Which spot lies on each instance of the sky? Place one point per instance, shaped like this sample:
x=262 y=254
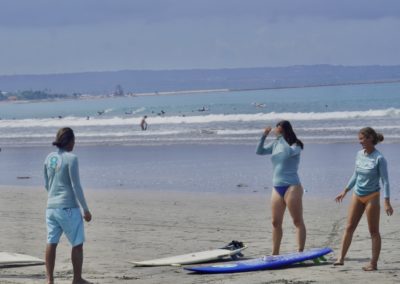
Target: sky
x=65 y=36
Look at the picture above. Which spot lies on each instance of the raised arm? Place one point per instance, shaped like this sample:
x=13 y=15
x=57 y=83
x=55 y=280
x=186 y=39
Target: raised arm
x=267 y=150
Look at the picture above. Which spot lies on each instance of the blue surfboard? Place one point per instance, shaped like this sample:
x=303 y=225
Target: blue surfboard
x=265 y=262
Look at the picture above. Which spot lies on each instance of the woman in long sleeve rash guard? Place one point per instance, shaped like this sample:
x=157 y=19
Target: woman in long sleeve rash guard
x=371 y=167
x=65 y=194
x=285 y=156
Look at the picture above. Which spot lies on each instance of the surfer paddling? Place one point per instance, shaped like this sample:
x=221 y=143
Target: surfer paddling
x=285 y=156
x=63 y=214
x=371 y=167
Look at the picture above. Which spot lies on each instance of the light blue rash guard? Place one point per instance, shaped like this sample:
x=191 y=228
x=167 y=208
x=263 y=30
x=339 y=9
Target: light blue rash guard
x=369 y=169
x=285 y=160
x=61 y=175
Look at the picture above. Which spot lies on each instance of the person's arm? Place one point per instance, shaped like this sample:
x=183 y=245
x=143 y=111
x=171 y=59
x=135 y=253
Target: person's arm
x=383 y=173
x=46 y=177
x=261 y=150
x=267 y=150
x=339 y=198
x=76 y=183
x=352 y=181
x=384 y=176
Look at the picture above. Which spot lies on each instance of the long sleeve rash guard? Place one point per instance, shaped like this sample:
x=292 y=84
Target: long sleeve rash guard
x=369 y=170
x=285 y=160
x=61 y=174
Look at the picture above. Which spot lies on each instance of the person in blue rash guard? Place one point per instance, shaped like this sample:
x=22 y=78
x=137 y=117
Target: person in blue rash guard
x=287 y=192
x=371 y=167
x=63 y=215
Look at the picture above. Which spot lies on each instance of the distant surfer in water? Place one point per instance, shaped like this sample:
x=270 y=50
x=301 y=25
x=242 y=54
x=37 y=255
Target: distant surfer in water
x=143 y=123
x=371 y=167
x=63 y=214
x=287 y=192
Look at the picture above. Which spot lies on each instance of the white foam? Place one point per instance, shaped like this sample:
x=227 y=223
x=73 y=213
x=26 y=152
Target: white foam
x=198 y=119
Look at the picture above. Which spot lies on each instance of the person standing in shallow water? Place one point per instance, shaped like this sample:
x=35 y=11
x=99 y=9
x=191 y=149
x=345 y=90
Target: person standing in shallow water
x=371 y=167
x=63 y=214
x=143 y=123
x=287 y=190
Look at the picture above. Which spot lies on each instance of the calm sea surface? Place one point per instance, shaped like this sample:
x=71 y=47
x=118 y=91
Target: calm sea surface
x=324 y=169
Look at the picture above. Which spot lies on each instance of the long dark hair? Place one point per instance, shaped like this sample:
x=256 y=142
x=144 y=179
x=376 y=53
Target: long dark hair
x=289 y=134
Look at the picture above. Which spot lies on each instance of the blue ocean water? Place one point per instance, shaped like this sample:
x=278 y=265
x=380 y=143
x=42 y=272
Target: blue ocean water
x=320 y=114
x=202 y=142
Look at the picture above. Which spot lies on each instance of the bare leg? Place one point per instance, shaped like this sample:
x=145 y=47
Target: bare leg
x=356 y=210
x=373 y=215
x=50 y=262
x=294 y=202
x=278 y=209
x=77 y=262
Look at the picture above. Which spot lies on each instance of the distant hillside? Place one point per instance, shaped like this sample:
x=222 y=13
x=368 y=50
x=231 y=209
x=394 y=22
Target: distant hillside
x=139 y=81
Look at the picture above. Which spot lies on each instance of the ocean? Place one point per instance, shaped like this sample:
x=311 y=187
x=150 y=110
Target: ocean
x=319 y=114
x=187 y=148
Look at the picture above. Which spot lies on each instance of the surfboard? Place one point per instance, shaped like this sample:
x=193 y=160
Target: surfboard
x=232 y=250
x=265 y=262
x=17 y=259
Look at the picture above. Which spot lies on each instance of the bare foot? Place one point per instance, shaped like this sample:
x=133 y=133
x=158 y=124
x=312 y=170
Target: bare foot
x=338 y=262
x=370 y=267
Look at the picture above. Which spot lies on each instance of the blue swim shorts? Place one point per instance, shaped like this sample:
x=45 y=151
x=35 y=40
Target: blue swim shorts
x=68 y=221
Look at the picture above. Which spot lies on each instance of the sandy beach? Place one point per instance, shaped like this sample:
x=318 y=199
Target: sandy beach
x=138 y=225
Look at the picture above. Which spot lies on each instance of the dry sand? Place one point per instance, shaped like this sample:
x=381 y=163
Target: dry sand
x=137 y=225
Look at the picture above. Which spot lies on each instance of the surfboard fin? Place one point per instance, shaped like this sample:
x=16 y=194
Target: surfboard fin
x=316 y=261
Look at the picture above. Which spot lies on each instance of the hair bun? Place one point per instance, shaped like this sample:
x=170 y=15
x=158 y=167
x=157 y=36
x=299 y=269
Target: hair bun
x=380 y=137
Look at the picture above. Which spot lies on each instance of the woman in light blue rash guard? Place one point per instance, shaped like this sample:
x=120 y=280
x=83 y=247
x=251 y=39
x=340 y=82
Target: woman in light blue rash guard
x=63 y=215
x=370 y=168
x=287 y=192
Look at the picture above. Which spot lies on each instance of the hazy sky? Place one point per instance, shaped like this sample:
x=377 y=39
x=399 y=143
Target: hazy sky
x=59 y=36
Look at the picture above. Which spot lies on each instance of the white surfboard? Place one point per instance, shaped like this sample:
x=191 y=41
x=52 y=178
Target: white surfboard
x=16 y=259
x=196 y=257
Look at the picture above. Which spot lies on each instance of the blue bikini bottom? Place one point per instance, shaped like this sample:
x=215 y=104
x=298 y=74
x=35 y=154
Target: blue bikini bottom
x=281 y=190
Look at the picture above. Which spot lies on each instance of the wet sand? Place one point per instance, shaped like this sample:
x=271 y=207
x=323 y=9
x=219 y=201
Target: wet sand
x=138 y=225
